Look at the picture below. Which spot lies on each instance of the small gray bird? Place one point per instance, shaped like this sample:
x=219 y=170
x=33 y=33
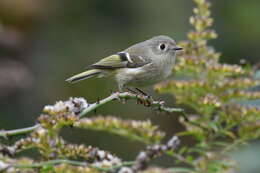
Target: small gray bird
x=142 y=64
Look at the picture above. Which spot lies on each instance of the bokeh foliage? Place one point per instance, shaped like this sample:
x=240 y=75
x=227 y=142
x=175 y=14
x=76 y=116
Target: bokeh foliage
x=214 y=91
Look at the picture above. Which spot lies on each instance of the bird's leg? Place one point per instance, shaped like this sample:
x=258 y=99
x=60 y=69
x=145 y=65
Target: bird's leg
x=148 y=99
x=131 y=90
x=138 y=91
x=142 y=92
x=122 y=88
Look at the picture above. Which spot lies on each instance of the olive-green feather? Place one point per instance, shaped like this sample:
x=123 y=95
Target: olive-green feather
x=121 y=61
x=84 y=75
x=111 y=62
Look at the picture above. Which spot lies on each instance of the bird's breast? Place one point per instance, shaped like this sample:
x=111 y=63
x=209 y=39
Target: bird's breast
x=143 y=76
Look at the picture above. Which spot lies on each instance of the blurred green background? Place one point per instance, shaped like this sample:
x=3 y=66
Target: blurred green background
x=44 y=42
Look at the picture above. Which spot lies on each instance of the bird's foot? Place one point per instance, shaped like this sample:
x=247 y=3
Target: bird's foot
x=142 y=92
x=138 y=92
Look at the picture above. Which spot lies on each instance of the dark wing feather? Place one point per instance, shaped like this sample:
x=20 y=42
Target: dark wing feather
x=137 y=61
x=121 y=60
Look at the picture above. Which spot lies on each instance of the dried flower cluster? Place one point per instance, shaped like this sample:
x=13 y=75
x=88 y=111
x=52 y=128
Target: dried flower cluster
x=45 y=137
x=154 y=151
x=141 y=162
x=143 y=131
x=215 y=92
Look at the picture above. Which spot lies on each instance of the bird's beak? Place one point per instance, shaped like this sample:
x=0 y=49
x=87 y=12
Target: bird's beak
x=177 y=48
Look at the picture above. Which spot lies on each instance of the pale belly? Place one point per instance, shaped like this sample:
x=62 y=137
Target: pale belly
x=139 y=77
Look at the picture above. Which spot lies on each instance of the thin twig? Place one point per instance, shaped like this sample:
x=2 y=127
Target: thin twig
x=6 y=133
x=144 y=157
x=70 y=162
x=49 y=163
x=146 y=101
x=116 y=167
x=182 y=159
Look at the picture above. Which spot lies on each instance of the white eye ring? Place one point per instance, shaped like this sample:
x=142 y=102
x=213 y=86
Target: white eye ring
x=162 y=46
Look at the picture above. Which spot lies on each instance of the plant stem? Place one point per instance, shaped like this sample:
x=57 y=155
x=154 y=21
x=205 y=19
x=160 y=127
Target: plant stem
x=126 y=95
x=94 y=106
x=145 y=100
x=49 y=163
x=70 y=162
x=6 y=133
x=113 y=168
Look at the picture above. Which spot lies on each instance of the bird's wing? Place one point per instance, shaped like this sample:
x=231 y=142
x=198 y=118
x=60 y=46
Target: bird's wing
x=121 y=60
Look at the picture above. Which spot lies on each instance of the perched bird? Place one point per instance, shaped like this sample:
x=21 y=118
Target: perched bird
x=142 y=64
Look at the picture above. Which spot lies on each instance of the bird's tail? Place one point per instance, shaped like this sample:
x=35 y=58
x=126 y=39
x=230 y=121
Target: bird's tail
x=84 y=75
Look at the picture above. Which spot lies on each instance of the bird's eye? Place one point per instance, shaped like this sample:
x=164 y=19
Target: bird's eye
x=162 y=46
